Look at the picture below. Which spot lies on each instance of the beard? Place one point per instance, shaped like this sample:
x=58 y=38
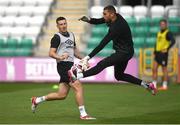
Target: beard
x=108 y=22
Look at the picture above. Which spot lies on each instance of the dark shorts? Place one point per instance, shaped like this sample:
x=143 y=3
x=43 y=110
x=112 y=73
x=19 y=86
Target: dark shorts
x=62 y=68
x=161 y=58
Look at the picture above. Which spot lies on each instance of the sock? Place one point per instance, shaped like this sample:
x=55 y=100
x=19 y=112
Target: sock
x=82 y=111
x=155 y=83
x=144 y=84
x=79 y=75
x=165 y=84
x=40 y=99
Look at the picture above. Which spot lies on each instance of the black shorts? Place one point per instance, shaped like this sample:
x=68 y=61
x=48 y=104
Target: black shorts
x=62 y=68
x=161 y=58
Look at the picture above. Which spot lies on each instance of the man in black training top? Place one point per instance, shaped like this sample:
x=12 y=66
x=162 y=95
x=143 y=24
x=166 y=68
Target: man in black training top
x=120 y=33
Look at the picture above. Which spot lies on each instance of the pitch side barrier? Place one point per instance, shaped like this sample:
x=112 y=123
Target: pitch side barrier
x=146 y=62
x=22 y=69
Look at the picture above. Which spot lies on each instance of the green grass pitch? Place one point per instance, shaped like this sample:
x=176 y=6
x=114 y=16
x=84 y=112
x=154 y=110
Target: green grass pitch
x=109 y=103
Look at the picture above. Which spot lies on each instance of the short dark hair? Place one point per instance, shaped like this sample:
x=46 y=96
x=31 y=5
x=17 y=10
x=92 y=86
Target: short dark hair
x=60 y=18
x=163 y=20
x=110 y=8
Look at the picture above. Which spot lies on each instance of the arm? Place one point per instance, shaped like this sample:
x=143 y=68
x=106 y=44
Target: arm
x=52 y=53
x=170 y=37
x=96 y=21
x=92 y=20
x=103 y=43
x=55 y=41
x=77 y=53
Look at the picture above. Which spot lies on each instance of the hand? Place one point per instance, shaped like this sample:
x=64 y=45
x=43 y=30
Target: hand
x=63 y=57
x=84 y=63
x=84 y=18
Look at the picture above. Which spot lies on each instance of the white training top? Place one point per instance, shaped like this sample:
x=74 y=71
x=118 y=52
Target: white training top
x=66 y=45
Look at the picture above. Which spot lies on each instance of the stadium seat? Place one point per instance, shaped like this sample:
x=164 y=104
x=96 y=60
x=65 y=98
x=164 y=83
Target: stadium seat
x=174 y=29
x=98 y=31
x=2 y=10
x=13 y=32
x=126 y=11
x=30 y=2
x=44 y=2
x=155 y=21
x=150 y=41
x=153 y=30
x=40 y=10
x=136 y=51
x=175 y=20
x=140 y=12
x=5 y=31
x=7 y=21
x=2 y=46
x=2 y=43
x=12 y=43
x=4 y=2
x=103 y=53
x=26 y=43
x=36 y=21
x=138 y=42
x=32 y=31
x=26 y=10
x=16 y=2
x=24 y=52
x=12 y=10
x=19 y=20
x=171 y=11
x=8 y=52
x=109 y=45
x=174 y=23
x=22 y=21
x=93 y=41
x=157 y=11
x=96 y=11
x=146 y=21
x=141 y=31
x=131 y=21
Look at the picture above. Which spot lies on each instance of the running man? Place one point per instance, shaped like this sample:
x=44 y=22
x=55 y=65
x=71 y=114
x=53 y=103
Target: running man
x=63 y=49
x=119 y=32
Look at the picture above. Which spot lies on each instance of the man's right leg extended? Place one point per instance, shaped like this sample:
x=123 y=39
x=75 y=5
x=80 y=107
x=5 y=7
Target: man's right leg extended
x=60 y=95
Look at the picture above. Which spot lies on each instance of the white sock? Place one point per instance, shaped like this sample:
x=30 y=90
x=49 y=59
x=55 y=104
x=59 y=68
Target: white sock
x=79 y=75
x=165 y=83
x=40 y=99
x=82 y=111
x=155 y=83
x=144 y=84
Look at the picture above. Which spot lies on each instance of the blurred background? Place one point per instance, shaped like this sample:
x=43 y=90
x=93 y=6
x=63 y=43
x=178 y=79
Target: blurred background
x=27 y=26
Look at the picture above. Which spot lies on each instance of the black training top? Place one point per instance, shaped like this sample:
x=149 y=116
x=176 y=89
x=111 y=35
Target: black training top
x=119 y=32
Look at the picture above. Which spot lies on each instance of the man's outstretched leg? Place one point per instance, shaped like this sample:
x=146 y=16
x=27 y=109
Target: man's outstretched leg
x=121 y=76
x=60 y=95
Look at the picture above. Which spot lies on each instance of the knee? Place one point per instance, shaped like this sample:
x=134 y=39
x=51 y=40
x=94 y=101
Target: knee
x=118 y=76
x=61 y=96
x=77 y=88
